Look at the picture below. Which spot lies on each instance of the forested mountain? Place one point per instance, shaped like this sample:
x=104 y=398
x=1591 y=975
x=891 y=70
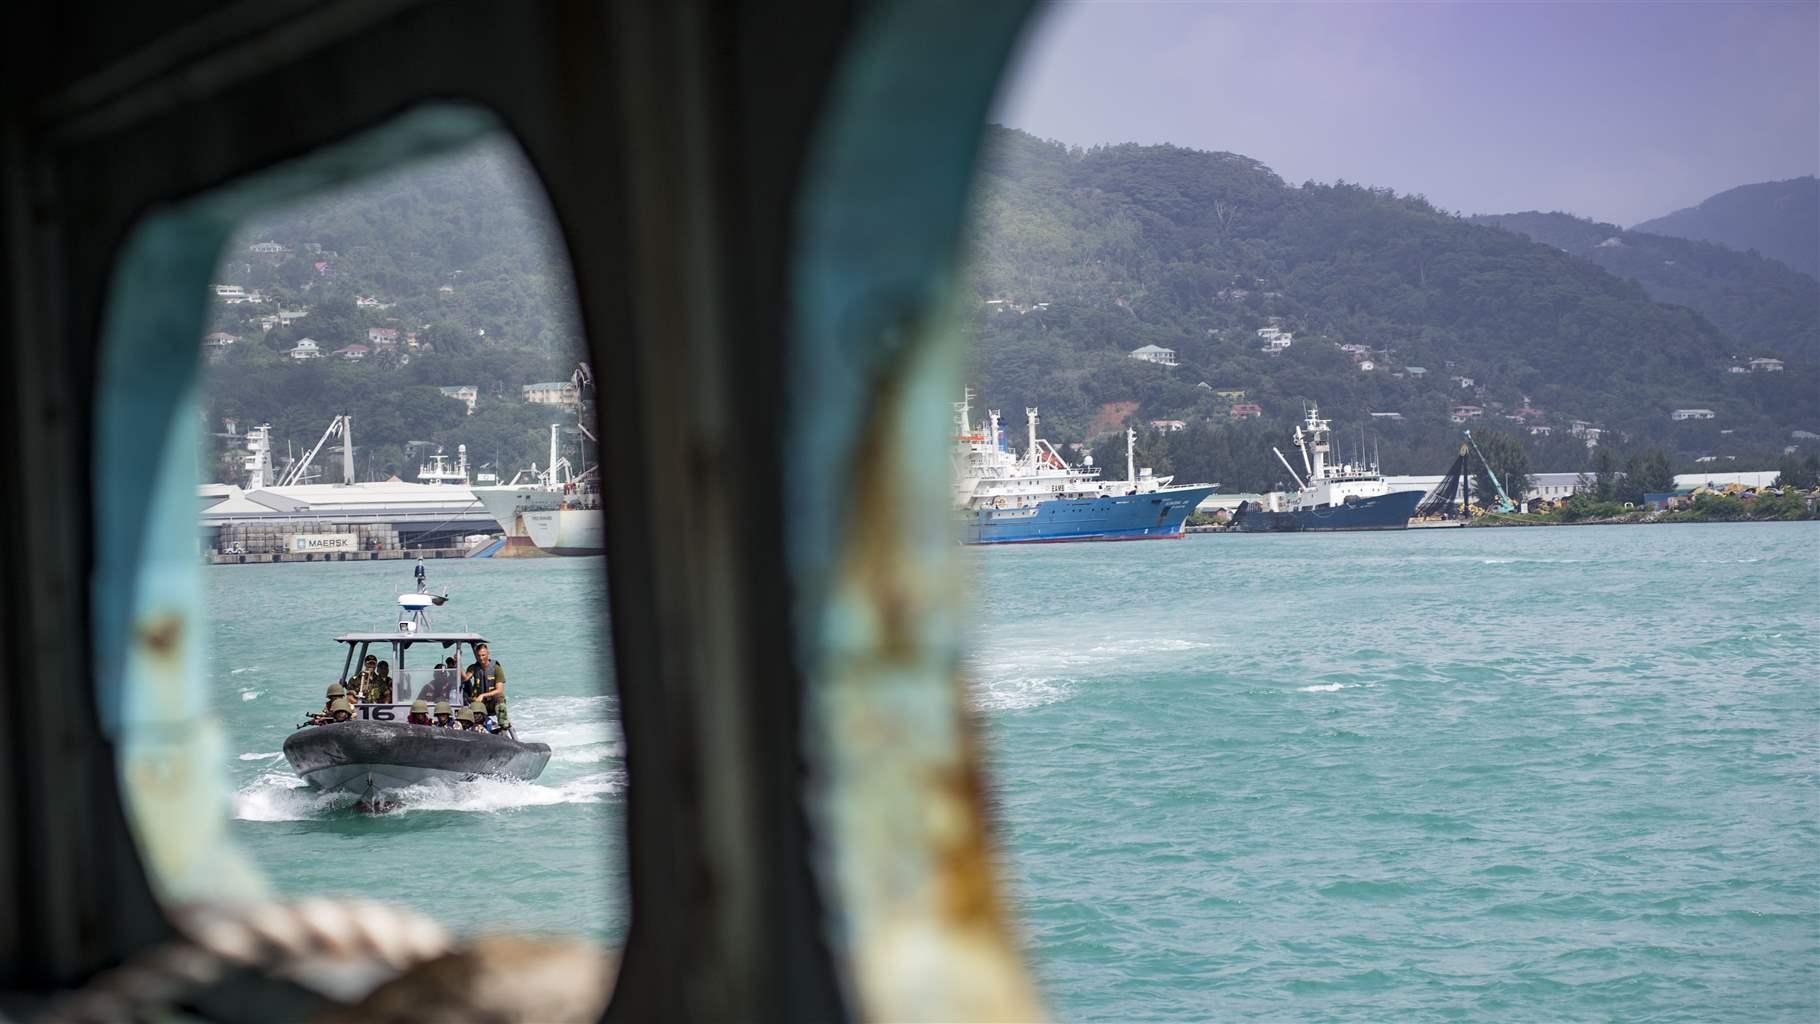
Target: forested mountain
x=1081 y=256
x=1766 y=307
x=1780 y=219
x=460 y=256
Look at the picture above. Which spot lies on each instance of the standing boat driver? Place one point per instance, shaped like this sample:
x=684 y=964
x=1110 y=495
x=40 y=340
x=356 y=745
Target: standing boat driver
x=357 y=686
x=442 y=681
x=443 y=719
x=420 y=712
x=485 y=680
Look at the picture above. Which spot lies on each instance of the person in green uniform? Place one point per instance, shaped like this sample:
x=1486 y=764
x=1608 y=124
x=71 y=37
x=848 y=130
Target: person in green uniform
x=464 y=719
x=379 y=689
x=499 y=715
x=485 y=680
x=335 y=690
x=357 y=686
x=420 y=712
x=341 y=710
x=444 y=720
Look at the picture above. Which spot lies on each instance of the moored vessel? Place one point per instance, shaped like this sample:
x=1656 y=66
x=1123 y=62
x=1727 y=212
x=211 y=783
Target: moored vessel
x=1001 y=497
x=1333 y=496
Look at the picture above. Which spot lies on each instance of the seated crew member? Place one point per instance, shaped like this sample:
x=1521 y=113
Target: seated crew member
x=500 y=717
x=420 y=712
x=335 y=690
x=340 y=710
x=464 y=719
x=444 y=720
x=485 y=680
x=442 y=681
x=485 y=722
x=379 y=690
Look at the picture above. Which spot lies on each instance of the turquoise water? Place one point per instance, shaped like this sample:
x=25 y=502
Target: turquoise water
x=1528 y=774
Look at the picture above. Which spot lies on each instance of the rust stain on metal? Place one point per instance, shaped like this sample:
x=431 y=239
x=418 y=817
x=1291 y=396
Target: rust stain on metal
x=161 y=636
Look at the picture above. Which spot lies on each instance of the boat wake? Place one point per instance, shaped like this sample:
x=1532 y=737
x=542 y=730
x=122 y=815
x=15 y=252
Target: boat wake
x=1018 y=694
x=280 y=796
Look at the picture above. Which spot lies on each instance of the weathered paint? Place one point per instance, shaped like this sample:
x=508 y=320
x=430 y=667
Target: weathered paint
x=898 y=807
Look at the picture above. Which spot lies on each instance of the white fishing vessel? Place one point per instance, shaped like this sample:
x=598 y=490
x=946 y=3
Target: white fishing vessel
x=1001 y=497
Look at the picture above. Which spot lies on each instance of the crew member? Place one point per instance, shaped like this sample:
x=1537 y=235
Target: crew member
x=485 y=680
x=464 y=719
x=423 y=585
x=420 y=712
x=483 y=722
x=442 y=681
x=379 y=690
x=443 y=719
x=499 y=716
x=340 y=710
x=357 y=686
x=335 y=690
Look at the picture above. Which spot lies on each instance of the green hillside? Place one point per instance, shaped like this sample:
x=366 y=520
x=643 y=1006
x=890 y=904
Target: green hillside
x=1780 y=219
x=1768 y=309
x=460 y=253
x=1080 y=257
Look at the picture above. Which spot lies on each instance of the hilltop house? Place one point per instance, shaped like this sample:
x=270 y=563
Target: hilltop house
x=218 y=340
x=385 y=337
x=353 y=353
x=1417 y=372
x=1234 y=394
x=1155 y=354
x=1275 y=339
x=467 y=394
x=1386 y=415
x=1766 y=366
x=554 y=392
x=1247 y=411
x=306 y=349
x=1691 y=414
x=266 y=248
x=1169 y=426
x=1463 y=412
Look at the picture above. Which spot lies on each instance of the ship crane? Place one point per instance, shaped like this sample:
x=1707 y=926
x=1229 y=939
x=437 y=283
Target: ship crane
x=1504 y=502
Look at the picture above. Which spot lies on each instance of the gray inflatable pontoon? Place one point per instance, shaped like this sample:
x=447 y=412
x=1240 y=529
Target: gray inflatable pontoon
x=362 y=757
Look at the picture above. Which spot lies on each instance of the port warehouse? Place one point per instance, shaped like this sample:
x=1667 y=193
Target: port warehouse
x=331 y=520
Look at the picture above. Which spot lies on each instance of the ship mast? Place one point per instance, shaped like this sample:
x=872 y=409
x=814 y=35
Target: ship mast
x=1030 y=416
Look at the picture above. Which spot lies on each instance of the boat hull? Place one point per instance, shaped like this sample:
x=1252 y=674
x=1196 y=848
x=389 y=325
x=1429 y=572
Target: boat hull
x=1156 y=516
x=567 y=531
x=360 y=756
x=1382 y=512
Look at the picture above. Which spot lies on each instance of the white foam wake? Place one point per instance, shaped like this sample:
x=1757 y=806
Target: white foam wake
x=275 y=796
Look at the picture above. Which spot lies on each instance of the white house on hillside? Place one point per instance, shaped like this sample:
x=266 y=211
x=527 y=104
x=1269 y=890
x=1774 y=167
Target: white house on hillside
x=1766 y=366
x=1155 y=354
x=306 y=349
x=1691 y=414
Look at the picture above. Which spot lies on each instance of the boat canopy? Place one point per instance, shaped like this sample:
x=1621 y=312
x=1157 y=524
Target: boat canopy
x=419 y=637
x=432 y=681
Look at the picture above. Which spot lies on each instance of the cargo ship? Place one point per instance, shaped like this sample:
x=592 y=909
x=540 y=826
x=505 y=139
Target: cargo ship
x=1001 y=497
x=1332 y=496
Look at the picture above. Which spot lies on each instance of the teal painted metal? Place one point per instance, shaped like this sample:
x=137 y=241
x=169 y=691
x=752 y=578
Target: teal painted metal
x=145 y=589
x=1504 y=502
x=877 y=353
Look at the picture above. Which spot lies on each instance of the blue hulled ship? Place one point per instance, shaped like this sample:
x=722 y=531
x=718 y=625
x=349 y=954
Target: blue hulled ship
x=1001 y=497
x=1333 y=496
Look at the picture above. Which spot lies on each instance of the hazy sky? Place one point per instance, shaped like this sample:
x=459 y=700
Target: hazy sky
x=1616 y=111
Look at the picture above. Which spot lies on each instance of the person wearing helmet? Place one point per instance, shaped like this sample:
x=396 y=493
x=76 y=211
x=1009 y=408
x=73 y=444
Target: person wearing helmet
x=464 y=719
x=500 y=716
x=420 y=712
x=444 y=720
x=335 y=690
x=340 y=710
x=483 y=720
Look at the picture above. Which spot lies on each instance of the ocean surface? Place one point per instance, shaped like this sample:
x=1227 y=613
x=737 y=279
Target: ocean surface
x=1518 y=775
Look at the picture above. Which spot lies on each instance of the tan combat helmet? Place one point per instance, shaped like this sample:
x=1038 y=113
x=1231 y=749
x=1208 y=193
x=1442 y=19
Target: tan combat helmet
x=420 y=706
x=341 y=704
x=335 y=690
x=464 y=715
x=442 y=707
